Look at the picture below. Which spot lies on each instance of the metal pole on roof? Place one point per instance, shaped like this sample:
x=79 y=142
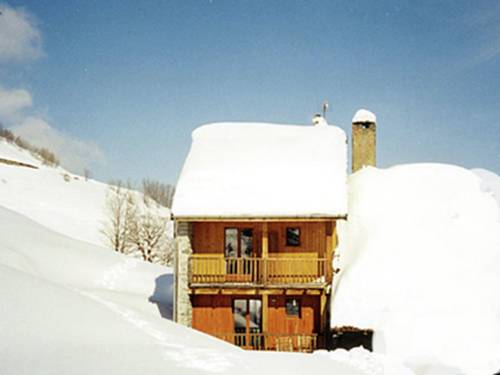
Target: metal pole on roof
x=325 y=108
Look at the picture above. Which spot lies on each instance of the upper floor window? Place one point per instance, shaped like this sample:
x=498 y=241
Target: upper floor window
x=238 y=242
x=292 y=236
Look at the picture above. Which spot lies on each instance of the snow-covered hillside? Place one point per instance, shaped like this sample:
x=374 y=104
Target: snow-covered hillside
x=53 y=197
x=74 y=207
x=420 y=265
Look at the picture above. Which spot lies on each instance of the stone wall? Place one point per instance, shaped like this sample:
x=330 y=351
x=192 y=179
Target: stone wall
x=182 y=303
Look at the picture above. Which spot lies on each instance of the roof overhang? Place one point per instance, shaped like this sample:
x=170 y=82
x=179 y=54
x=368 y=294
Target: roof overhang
x=260 y=219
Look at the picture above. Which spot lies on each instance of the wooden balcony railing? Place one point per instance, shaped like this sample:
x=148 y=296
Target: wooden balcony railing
x=260 y=271
x=272 y=341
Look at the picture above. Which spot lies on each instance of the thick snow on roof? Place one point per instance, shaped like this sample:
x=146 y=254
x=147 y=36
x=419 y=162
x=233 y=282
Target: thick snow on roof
x=420 y=265
x=263 y=170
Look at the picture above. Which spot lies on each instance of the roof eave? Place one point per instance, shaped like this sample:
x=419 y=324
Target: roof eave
x=182 y=218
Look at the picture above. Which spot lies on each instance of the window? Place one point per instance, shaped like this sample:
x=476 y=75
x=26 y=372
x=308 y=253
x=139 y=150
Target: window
x=238 y=242
x=247 y=315
x=231 y=242
x=292 y=307
x=246 y=242
x=292 y=236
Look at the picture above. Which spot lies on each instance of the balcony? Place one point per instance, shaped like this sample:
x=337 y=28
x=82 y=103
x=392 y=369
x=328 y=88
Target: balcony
x=272 y=341
x=268 y=272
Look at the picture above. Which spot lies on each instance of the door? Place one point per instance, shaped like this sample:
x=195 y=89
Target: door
x=247 y=315
x=238 y=250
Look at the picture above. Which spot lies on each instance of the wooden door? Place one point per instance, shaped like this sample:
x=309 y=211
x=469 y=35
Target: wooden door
x=239 y=251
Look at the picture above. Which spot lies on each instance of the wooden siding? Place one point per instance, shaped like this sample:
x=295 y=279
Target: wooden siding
x=208 y=237
x=213 y=314
x=308 y=322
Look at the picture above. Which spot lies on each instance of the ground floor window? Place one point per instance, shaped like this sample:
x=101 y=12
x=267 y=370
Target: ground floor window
x=292 y=307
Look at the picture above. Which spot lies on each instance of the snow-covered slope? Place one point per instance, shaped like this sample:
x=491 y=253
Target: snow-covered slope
x=420 y=265
x=53 y=197
x=74 y=207
x=69 y=307
x=12 y=152
x=490 y=183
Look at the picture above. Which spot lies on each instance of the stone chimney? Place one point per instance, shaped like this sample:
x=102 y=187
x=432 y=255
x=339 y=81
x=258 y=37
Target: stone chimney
x=363 y=139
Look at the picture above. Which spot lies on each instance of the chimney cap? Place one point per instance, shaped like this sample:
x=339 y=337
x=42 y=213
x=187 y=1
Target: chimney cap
x=363 y=116
x=319 y=120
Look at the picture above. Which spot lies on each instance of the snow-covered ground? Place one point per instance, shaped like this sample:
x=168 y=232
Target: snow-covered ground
x=69 y=307
x=74 y=207
x=420 y=264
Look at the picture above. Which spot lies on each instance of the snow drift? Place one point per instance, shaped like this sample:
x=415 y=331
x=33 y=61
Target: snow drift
x=72 y=308
x=422 y=267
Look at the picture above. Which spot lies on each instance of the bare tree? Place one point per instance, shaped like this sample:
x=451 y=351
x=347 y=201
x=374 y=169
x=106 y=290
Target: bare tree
x=136 y=226
x=158 y=191
x=149 y=233
x=120 y=213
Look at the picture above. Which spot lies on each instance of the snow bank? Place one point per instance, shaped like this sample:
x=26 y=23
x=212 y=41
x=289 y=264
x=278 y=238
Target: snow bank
x=72 y=308
x=31 y=248
x=263 y=170
x=368 y=362
x=422 y=268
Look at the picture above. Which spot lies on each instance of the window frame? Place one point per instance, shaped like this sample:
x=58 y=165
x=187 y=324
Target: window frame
x=287 y=243
x=238 y=240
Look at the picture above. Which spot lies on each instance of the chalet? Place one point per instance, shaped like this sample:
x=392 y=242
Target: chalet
x=256 y=210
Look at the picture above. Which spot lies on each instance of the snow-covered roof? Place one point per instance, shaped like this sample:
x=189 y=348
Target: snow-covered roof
x=259 y=170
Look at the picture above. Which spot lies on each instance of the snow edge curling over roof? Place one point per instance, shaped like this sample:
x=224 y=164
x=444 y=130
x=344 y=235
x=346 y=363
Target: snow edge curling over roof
x=262 y=170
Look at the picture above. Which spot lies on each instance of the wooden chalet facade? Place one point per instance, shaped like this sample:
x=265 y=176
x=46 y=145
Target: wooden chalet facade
x=258 y=279
x=262 y=284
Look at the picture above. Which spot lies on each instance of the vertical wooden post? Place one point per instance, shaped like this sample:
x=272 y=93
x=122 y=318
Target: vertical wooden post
x=323 y=317
x=265 y=321
x=265 y=240
x=265 y=297
x=265 y=250
x=330 y=225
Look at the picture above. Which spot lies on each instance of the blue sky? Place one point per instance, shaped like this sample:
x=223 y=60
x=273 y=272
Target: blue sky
x=131 y=79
